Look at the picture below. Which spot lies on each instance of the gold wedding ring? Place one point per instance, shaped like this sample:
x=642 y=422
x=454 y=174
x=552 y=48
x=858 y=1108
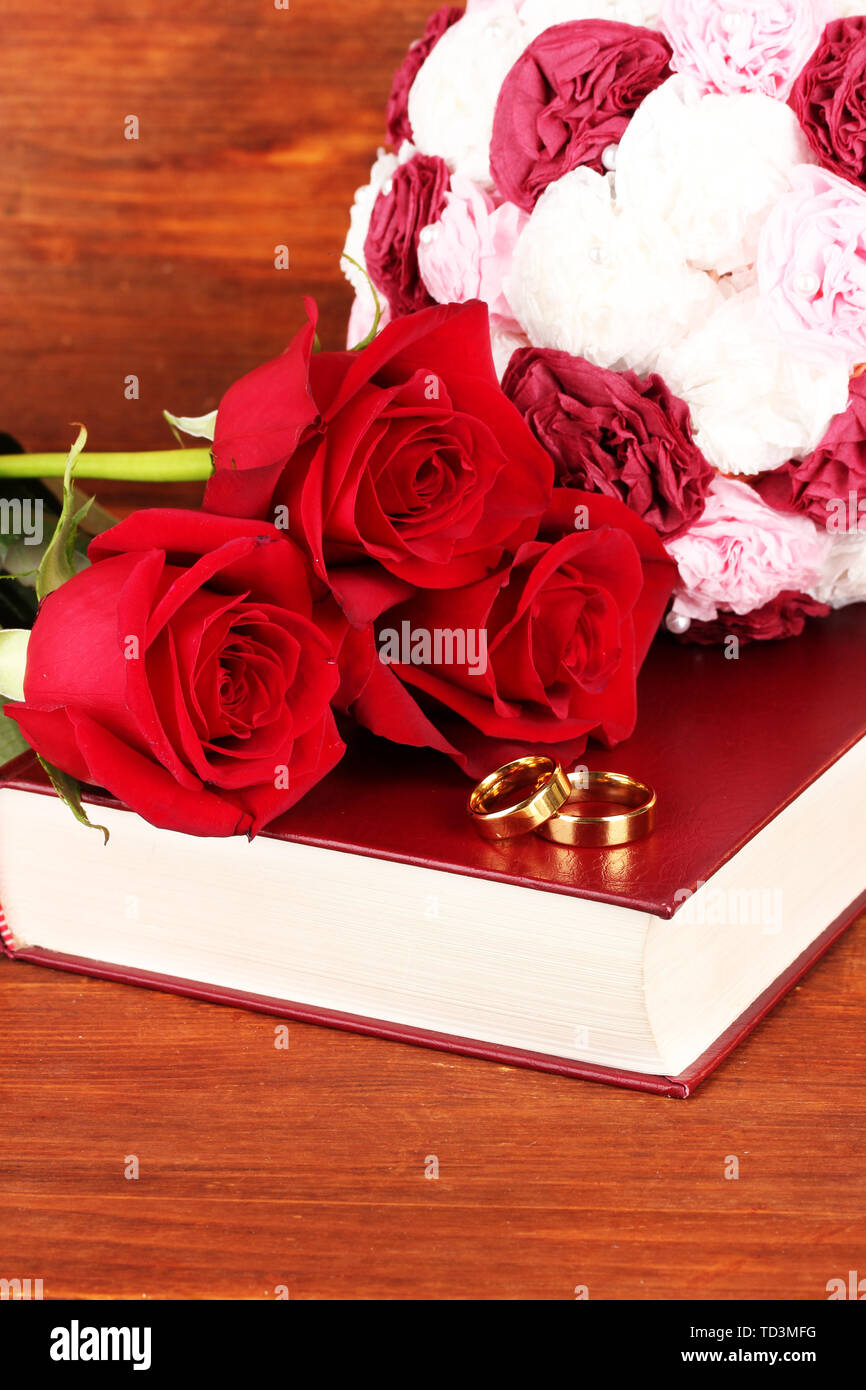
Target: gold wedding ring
x=518 y=798
x=569 y=827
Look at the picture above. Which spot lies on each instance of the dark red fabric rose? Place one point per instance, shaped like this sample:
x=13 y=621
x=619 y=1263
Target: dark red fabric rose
x=183 y=673
x=824 y=483
x=613 y=432
x=542 y=653
x=416 y=459
x=412 y=198
x=784 y=616
x=829 y=98
x=399 y=127
x=570 y=94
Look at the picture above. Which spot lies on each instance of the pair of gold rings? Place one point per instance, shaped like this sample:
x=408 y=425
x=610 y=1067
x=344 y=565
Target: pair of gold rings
x=535 y=794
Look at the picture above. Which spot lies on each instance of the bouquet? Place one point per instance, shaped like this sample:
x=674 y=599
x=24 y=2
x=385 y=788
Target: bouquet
x=381 y=543
x=663 y=206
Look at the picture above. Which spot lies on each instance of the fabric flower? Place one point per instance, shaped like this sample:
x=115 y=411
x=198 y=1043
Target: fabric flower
x=505 y=340
x=731 y=46
x=400 y=465
x=383 y=170
x=754 y=405
x=614 y=433
x=538 y=15
x=568 y=98
x=843 y=576
x=830 y=483
x=541 y=653
x=709 y=169
x=183 y=672
x=740 y=555
x=363 y=316
x=812 y=267
x=454 y=96
x=829 y=98
x=467 y=253
x=600 y=283
x=398 y=125
x=413 y=197
x=784 y=616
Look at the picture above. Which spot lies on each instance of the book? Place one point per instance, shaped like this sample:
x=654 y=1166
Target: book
x=374 y=906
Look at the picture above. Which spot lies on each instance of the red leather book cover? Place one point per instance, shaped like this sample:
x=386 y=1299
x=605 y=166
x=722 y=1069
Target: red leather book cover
x=727 y=744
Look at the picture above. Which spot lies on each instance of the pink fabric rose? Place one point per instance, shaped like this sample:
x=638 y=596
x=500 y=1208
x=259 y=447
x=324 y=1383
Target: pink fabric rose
x=812 y=267
x=734 y=46
x=412 y=198
x=362 y=318
x=825 y=484
x=740 y=554
x=398 y=125
x=570 y=96
x=784 y=616
x=467 y=253
x=829 y=98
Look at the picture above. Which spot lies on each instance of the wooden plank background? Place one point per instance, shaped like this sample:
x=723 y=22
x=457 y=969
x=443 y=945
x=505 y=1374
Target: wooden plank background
x=155 y=257
x=306 y=1167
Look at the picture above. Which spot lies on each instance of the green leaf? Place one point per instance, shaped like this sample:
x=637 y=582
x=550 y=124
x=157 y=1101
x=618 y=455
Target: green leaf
x=69 y=792
x=11 y=742
x=13 y=662
x=199 y=426
x=359 y=347
x=58 y=561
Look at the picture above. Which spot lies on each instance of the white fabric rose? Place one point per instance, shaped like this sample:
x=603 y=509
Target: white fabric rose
x=505 y=340
x=383 y=169
x=843 y=579
x=538 y=15
x=709 y=168
x=453 y=98
x=754 y=405
x=598 y=283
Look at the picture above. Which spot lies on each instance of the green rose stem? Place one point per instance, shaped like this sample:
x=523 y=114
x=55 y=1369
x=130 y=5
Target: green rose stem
x=160 y=466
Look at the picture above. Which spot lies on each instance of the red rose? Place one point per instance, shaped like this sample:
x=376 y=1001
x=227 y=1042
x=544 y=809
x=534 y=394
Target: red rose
x=783 y=616
x=416 y=460
x=540 y=654
x=829 y=98
x=614 y=433
x=570 y=94
x=183 y=673
x=399 y=127
x=823 y=483
x=412 y=198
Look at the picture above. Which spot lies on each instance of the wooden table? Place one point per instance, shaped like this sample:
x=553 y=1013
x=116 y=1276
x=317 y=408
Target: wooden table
x=262 y=1167
x=305 y=1168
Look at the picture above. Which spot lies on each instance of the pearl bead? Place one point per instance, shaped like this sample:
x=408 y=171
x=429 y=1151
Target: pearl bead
x=428 y=234
x=807 y=284
x=731 y=21
x=388 y=188
x=678 y=623
x=608 y=157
